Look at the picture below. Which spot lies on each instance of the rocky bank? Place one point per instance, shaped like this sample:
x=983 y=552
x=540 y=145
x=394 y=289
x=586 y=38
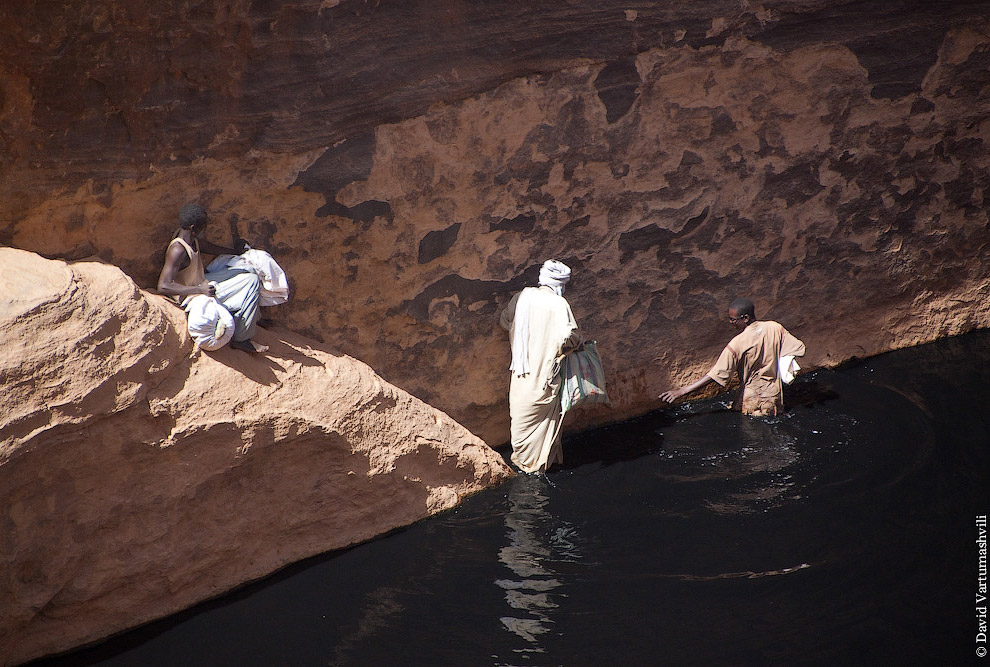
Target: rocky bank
x=137 y=480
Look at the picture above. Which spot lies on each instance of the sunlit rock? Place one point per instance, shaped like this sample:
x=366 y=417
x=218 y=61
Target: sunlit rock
x=137 y=480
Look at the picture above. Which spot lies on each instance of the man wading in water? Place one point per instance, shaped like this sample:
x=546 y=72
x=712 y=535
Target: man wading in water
x=182 y=276
x=755 y=355
x=540 y=325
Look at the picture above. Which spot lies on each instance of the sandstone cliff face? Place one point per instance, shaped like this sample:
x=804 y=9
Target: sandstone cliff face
x=137 y=480
x=411 y=163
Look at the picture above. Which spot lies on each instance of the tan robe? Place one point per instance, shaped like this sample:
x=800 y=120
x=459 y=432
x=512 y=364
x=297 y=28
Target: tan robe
x=534 y=399
x=754 y=355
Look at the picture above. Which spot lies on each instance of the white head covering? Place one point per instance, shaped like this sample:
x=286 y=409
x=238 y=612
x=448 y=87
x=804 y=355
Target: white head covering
x=555 y=275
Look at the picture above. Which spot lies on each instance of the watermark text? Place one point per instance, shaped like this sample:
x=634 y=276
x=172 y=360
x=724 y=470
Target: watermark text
x=981 y=586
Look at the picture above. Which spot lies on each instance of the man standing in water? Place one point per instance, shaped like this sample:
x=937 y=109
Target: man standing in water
x=540 y=325
x=755 y=355
x=182 y=276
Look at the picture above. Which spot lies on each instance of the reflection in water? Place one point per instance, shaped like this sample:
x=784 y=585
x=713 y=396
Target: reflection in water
x=381 y=607
x=535 y=543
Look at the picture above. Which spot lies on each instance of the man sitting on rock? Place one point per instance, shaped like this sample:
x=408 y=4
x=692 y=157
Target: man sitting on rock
x=183 y=277
x=756 y=354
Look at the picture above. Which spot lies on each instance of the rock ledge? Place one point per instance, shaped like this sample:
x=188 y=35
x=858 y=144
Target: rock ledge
x=138 y=480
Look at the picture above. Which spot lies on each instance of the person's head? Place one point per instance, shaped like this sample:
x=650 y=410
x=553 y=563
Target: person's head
x=742 y=313
x=192 y=216
x=555 y=275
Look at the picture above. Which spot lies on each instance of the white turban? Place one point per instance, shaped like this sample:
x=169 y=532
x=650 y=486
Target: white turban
x=555 y=275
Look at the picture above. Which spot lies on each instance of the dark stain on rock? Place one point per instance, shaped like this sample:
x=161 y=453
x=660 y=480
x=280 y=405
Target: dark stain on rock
x=771 y=140
x=575 y=224
x=655 y=237
x=681 y=179
x=645 y=238
x=572 y=122
x=619 y=170
x=734 y=161
x=522 y=168
x=86 y=249
x=859 y=213
x=617 y=85
x=259 y=233
x=74 y=222
x=693 y=223
x=437 y=243
x=722 y=123
x=898 y=61
x=845 y=165
x=921 y=105
x=520 y=223
x=367 y=211
x=349 y=161
x=690 y=158
x=889 y=140
x=960 y=191
x=869 y=171
x=243 y=68
x=466 y=290
x=968 y=147
x=969 y=78
x=795 y=185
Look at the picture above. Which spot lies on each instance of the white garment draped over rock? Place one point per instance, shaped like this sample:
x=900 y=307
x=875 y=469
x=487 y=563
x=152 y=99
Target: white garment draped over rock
x=274 y=284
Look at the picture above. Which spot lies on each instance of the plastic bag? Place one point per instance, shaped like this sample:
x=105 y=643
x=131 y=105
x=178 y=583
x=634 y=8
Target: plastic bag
x=582 y=377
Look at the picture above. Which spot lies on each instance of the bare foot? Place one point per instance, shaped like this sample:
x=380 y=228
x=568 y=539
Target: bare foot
x=249 y=346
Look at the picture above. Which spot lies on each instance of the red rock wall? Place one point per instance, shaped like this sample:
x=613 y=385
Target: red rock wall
x=411 y=164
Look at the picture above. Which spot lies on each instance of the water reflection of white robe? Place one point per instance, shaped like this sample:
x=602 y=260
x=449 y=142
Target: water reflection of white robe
x=534 y=398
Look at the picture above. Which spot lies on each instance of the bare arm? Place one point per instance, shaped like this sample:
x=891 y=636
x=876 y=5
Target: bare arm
x=673 y=394
x=176 y=259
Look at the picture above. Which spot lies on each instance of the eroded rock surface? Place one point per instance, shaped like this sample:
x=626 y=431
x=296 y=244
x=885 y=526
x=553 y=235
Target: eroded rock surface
x=411 y=163
x=137 y=480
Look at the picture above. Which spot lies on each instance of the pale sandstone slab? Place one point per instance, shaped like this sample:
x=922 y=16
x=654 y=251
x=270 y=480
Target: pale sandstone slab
x=137 y=481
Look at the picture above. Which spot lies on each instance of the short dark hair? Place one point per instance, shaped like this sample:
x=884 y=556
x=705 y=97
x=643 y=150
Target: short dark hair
x=742 y=307
x=191 y=214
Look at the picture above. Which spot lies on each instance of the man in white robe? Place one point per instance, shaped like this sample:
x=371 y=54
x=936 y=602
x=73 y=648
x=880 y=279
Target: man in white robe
x=540 y=325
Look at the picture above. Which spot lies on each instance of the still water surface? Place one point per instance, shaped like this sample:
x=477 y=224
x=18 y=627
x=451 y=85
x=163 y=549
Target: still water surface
x=842 y=533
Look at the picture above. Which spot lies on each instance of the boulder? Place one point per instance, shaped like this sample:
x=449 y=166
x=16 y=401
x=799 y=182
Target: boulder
x=137 y=479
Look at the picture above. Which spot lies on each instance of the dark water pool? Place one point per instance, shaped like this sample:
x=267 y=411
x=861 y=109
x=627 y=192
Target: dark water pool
x=842 y=533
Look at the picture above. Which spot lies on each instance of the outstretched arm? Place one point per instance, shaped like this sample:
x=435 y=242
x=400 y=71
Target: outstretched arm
x=673 y=394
